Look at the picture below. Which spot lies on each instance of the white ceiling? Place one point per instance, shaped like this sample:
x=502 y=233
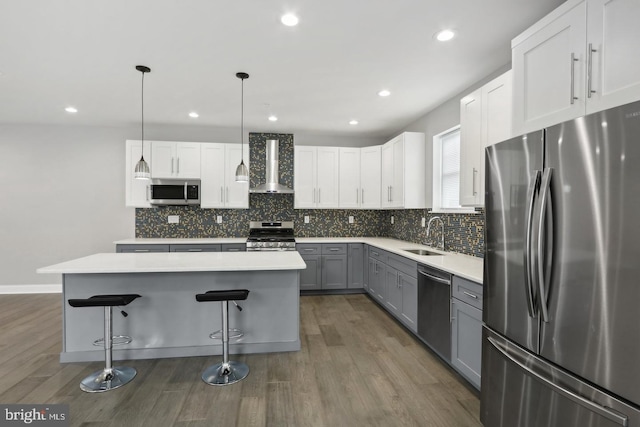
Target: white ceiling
x=315 y=77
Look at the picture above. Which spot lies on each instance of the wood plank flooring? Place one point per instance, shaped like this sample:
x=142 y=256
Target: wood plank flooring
x=357 y=367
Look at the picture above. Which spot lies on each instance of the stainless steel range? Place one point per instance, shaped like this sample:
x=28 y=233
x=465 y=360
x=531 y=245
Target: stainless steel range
x=271 y=236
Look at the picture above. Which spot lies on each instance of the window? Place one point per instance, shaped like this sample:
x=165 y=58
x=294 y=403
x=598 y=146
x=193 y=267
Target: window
x=446 y=171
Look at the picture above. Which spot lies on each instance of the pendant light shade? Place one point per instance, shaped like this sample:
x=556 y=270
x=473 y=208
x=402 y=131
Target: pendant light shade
x=242 y=172
x=142 y=167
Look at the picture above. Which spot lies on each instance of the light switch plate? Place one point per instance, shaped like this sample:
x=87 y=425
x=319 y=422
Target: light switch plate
x=306 y=219
x=424 y=221
x=173 y=219
x=392 y=219
x=351 y=220
x=219 y=219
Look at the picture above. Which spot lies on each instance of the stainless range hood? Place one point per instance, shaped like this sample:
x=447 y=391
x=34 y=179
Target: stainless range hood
x=271 y=174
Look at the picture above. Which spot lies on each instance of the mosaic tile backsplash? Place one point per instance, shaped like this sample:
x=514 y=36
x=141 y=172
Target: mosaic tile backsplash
x=464 y=233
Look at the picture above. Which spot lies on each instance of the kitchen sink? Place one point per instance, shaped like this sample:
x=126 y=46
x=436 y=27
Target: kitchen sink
x=422 y=252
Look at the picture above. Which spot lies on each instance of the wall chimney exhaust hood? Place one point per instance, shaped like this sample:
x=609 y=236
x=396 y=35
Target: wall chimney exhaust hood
x=271 y=173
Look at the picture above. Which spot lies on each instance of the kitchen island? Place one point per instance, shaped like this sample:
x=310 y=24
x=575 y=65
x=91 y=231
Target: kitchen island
x=167 y=321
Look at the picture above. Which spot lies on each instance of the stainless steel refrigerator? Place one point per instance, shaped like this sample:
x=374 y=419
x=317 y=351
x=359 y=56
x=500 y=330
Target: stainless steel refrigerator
x=561 y=335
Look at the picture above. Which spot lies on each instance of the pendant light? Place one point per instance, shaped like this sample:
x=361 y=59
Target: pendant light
x=142 y=167
x=242 y=172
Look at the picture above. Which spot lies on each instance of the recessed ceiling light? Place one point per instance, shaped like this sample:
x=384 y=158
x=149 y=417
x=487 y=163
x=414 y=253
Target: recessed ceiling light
x=194 y=115
x=384 y=92
x=290 y=20
x=273 y=118
x=353 y=122
x=445 y=35
x=71 y=110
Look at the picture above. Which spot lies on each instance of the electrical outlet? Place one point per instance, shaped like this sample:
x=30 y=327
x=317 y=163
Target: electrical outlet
x=424 y=221
x=392 y=219
x=306 y=219
x=219 y=219
x=173 y=219
x=351 y=220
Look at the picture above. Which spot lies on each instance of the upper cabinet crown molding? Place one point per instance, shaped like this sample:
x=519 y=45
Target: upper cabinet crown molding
x=581 y=58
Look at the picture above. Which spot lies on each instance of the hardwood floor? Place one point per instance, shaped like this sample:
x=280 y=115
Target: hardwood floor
x=357 y=367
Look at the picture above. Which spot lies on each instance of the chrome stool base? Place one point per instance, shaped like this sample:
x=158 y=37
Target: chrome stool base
x=234 y=334
x=105 y=379
x=225 y=373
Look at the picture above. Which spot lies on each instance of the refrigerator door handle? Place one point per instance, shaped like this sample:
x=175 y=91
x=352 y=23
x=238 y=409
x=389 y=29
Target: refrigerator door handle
x=544 y=207
x=528 y=271
x=529 y=368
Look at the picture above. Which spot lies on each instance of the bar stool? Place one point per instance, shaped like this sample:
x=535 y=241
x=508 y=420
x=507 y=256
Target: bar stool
x=226 y=372
x=110 y=377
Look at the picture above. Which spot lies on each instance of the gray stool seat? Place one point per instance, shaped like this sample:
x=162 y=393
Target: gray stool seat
x=227 y=372
x=110 y=377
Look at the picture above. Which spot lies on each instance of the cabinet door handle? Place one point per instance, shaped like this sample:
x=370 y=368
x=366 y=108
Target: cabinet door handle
x=319 y=196
x=221 y=194
x=227 y=194
x=470 y=294
x=590 y=52
x=572 y=91
x=362 y=197
x=314 y=195
x=473 y=184
x=172 y=166
x=391 y=193
x=148 y=192
x=357 y=196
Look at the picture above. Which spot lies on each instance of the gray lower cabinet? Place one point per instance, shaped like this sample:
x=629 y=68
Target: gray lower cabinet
x=126 y=249
x=311 y=277
x=233 y=247
x=377 y=274
x=401 y=285
x=466 y=329
x=393 y=300
x=365 y=268
x=409 y=312
x=326 y=266
x=355 y=274
x=195 y=248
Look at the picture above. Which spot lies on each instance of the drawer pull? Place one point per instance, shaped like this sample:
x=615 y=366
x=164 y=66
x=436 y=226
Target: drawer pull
x=141 y=250
x=470 y=294
x=309 y=250
x=375 y=253
x=334 y=249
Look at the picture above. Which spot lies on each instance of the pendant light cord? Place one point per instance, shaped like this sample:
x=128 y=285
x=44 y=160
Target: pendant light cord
x=142 y=96
x=242 y=122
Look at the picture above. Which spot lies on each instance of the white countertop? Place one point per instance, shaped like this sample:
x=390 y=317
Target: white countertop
x=163 y=262
x=466 y=266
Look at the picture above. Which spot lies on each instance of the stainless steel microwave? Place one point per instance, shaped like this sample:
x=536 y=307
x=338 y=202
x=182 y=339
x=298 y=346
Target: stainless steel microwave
x=172 y=192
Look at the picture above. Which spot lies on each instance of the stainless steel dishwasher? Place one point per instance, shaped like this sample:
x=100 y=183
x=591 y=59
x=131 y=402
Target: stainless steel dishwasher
x=434 y=309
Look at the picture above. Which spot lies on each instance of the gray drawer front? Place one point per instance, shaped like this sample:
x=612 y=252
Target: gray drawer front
x=404 y=265
x=309 y=248
x=378 y=254
x=467 y=291
x=141 y=248
x=334 y=249
x=234 y=247
x=195 y=248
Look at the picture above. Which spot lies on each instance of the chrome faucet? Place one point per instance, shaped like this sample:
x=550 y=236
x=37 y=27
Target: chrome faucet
x=441 y=245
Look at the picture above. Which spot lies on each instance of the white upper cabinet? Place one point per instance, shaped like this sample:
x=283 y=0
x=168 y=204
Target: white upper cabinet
x=171 y=159
x=370 y=178
x=137 y=191
x=471 y=147
x=581 y=58
x=485 y=119
x=349 y=173
x=316 y=177
x=404 y=172
x=613 y=36
x=219 y=188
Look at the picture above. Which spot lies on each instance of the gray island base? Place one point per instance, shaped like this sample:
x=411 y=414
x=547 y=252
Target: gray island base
x=168 y=321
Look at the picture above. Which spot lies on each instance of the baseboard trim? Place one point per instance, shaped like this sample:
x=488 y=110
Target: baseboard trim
x=30 y=289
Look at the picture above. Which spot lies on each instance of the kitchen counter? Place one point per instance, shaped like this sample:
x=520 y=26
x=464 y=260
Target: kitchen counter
x=167 y=321
x=178 y=262
x=466 y=266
